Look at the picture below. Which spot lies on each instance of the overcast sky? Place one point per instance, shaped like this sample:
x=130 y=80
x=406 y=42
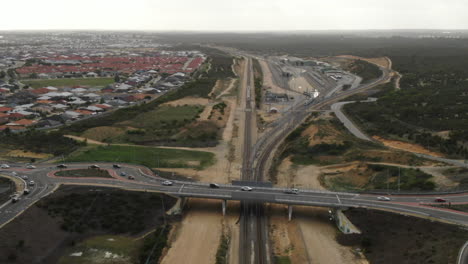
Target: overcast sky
x=233 y=15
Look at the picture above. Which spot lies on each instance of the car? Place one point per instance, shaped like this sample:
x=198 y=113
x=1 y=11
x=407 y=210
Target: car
x=116 y=166
x=31 y=183
x=440 y=200
x=62 y=166
x=24 y=177
x=30 y=167
x=5 y=166
x=94 y=166
x=383 y=198
x=15 y=198
x=246 y=188
x=214 y=185
x=291 y=191
x=167 y=183
x=123 y=174
x=130 y=177
x=26 y=191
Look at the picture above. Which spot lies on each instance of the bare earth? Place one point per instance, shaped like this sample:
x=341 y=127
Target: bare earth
x=188 y=101
x=197 y=238
x=196 y=242
x=406 y=146
x=310 y=236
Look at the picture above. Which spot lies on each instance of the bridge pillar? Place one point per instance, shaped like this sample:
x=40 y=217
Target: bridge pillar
x=290 y=210
x=224 y=204
x=177 y=208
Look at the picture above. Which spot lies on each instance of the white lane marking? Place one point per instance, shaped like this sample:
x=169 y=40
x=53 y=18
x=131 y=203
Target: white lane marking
x=337 y=197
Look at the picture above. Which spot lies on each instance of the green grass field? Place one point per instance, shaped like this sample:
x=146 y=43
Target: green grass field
x=69 y=82
x=166 y=116
x=150 y=157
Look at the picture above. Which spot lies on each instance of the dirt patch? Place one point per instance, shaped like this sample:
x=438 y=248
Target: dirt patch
x=27 y=154
x=298 y=176
x=381 y=61
x=188 y=101
x=101 y=133
x=198 y=236
x=268 y=82
x=406 y=146
x=88 y=140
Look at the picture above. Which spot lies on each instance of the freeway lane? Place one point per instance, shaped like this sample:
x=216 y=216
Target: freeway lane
x=405 y=204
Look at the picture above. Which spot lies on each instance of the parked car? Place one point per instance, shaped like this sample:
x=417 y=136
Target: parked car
x=440 y=200
x=123 y=174
x=62 y=166
x=383 y=198
x=94 y=166
x=131 y=177
x=167 y=183
x=116 y=166
x=292 y=191
x=5 y=166
x=214 y=185
x=30 y=167
x=246 y=188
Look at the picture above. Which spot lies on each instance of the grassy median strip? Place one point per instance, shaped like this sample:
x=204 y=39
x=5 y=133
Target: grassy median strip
x=148 y=156
x=84 y=173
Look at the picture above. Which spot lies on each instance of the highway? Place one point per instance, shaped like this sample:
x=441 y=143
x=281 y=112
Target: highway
x=46 y=183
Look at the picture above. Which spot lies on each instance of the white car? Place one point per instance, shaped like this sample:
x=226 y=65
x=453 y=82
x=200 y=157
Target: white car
x=15 y=198
x=167 y=183
x=24 y=177
x=291 y=191
x=30 y=167
x=246 y=188
x=383 y=198
x=31 y=183
x=4 y=166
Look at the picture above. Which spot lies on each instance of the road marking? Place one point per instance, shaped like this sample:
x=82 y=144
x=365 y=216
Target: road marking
x=337 y=197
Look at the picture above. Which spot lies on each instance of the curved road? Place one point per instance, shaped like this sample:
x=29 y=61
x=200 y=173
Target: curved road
x=46 y=182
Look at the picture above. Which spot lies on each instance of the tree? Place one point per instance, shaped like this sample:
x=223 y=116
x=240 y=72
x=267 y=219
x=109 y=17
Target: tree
x=2 y=74
x=117 y=78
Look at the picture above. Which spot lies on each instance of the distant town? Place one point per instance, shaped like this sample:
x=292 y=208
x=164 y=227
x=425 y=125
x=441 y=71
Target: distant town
x=44 y=87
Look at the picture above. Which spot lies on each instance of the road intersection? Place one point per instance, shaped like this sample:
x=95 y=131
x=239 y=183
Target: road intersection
x=45 y=183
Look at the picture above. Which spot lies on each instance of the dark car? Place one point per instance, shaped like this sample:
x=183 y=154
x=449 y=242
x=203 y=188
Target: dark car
x=440 y=200
x=94 y=166
x=214 y=185
x=62 y=166
x=116 y=166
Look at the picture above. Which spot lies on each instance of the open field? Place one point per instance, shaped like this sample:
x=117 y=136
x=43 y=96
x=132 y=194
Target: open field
x=103 y=249
x=84 y=173
x=43 y=233
x=69 y=82
x=392 y=238
x=375 y=177
x=148 y=156
x=324 y=141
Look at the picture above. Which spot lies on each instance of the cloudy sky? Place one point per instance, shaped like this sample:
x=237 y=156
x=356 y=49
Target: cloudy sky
x=232 y=15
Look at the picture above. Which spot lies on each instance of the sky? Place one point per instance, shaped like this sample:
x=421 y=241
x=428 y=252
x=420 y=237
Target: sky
x=233 y=15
